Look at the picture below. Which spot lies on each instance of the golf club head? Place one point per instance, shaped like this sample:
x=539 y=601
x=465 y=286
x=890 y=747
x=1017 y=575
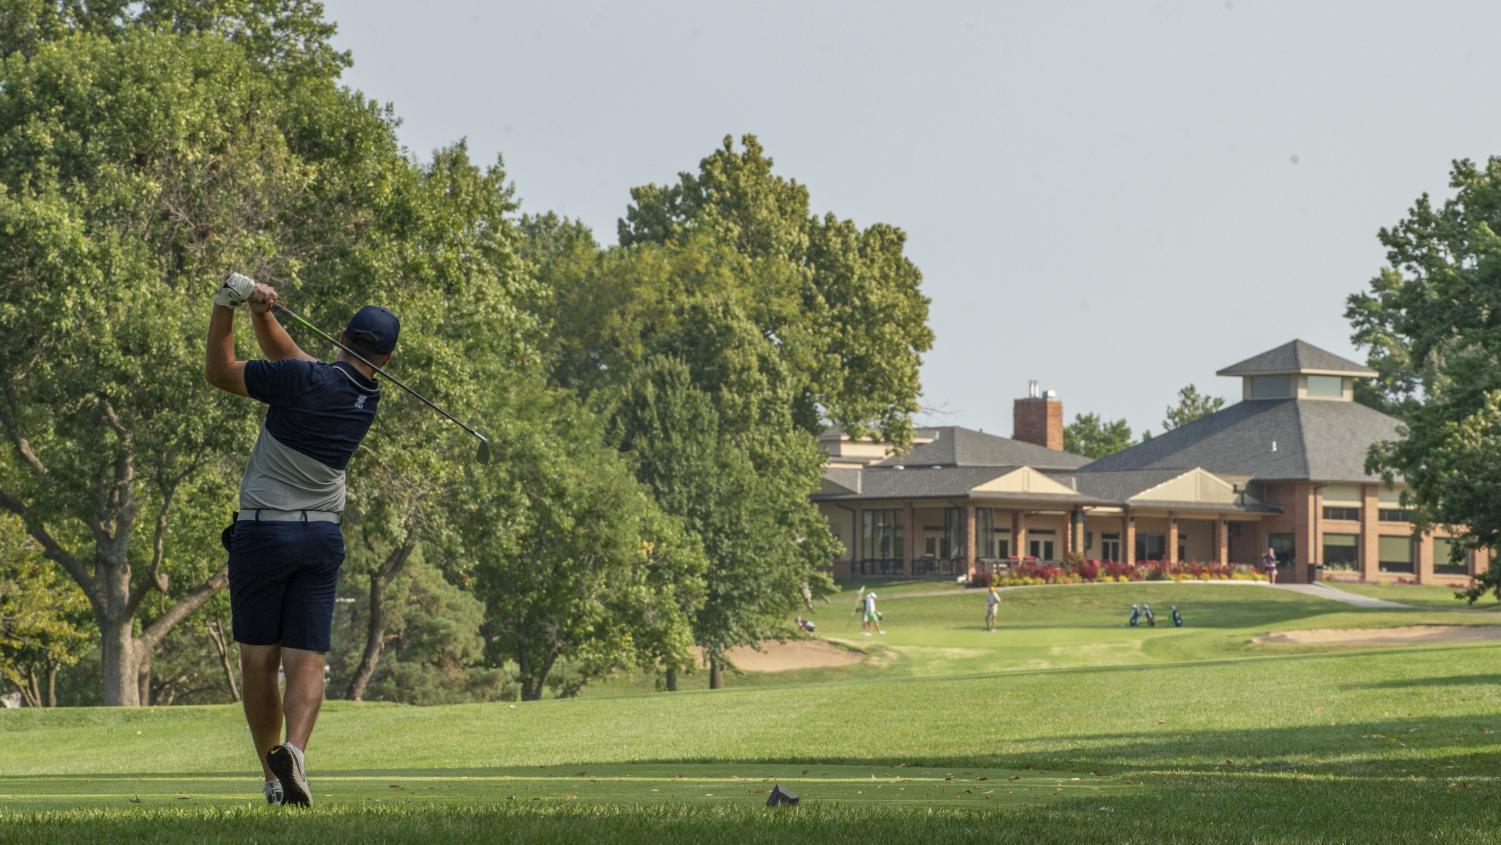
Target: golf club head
x=483 y=455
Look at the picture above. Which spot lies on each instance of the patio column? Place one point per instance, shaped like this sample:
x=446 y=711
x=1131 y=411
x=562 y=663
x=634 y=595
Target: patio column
x=1019 y=534
x=1172 y=537
x=1370 y=536
x=1076 y=527
x=909 y=537
x=1424 y=566
x=1481 y=561
x=1222 y=540
x=1128 y=538
x=971 y=555
x=1066 y=544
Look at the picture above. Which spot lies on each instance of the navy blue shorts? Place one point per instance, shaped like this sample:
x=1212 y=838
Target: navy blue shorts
x=282 y=580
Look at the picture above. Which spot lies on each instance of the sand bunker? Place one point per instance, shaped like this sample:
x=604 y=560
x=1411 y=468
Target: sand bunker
x=1406 y=635
x=794 y=654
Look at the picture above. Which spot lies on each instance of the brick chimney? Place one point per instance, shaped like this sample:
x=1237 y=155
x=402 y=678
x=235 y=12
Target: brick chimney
x=1038 y=418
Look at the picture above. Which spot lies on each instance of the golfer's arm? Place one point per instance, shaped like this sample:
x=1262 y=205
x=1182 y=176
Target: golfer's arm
x=274 y=341
x=219 y=365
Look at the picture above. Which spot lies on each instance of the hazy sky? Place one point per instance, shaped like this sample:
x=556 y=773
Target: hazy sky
x=1114 y=198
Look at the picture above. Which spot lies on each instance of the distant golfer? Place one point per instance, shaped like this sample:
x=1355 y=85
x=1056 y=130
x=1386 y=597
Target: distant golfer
x=1270 y=563
x=285 y=547
x=992 y=608
x=872 y=616
x=1135 y=616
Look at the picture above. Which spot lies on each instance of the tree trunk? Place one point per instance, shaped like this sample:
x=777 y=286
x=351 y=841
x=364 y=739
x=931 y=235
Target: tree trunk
x=143 y=676
x=117 y=663
x=221 y=645
x=716 y=674
x=51 y=684
x=375 y=639
x=375 y=631
x=28 y=690
x=531 y=686
x=672 y=679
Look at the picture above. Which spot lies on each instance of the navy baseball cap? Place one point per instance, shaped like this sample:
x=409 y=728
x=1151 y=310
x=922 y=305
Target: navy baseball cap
x=374 y=328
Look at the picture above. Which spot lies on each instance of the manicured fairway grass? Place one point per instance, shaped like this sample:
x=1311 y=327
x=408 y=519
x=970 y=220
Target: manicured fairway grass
x=1426 y=596
x=1112 y=735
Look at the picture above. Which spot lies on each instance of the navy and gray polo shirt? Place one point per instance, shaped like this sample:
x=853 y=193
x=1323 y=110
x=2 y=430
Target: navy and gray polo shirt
x=319 y=413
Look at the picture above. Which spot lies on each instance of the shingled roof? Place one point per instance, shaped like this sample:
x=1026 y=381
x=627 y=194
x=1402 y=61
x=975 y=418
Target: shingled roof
x=953 y=446
x=1297 y=356
x=935 y=482
x=1278 y=440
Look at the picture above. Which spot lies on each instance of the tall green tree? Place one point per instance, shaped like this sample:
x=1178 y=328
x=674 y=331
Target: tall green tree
x=285 y=36
x=1093 y=437
x=118 y=224
x=727 y=294
x=1191 y=405
x=113 y=218
x=764 y=547
x=843 y=301
x=581 y=572
x=1432 y=321
x=42 y=622
x=433 y=646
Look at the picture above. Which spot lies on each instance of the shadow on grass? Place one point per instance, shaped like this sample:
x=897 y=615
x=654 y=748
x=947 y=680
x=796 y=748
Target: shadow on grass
x=1478 y=680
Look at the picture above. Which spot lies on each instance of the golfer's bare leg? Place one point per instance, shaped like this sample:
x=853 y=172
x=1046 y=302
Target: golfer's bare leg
x=258 y=665
x=304 y=693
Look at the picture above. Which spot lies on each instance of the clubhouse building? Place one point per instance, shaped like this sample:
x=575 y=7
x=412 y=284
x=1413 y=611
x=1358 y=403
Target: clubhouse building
x=1284 y=468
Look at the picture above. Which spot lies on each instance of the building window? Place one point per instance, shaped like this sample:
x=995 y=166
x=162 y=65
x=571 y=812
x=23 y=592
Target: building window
x=1395 y=515
x=994 y=542
x=1396 y=554
x=935 y=544
x=1271 y=387
x=1283 y=547
x=1443 y=562
x=881 y=535
x=1040 y=544
x=1110 y=547
x=953 y=529
x=1326 y=387
x=1342 y=551
x=1341 y=512
x=1151 y=546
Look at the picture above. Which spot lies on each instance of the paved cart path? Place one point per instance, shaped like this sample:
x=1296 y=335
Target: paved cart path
x=1324 y=591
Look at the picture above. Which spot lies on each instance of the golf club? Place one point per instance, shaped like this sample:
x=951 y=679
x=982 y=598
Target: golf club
x=483 y=455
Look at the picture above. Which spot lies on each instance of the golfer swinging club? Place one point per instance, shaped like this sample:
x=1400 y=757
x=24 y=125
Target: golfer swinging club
x=285 y=547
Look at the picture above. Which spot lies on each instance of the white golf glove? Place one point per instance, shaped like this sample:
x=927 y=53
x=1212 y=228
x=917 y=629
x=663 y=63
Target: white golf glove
x=235 y=290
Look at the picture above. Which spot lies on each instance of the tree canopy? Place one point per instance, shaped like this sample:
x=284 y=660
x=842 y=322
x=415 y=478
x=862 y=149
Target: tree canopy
x=1093 y=437
x=1191 y=406
x=1431 y=319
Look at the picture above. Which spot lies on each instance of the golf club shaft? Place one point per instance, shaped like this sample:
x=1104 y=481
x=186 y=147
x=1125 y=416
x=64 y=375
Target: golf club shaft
x=363 y=360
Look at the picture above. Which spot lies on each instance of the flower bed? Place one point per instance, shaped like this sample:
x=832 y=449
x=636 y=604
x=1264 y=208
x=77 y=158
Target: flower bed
x=1030 y=572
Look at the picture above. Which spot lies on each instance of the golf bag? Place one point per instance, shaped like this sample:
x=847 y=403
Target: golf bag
x=1135 y=616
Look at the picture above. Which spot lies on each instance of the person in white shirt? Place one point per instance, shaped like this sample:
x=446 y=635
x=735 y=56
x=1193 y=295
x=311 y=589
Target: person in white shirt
x=872 y=616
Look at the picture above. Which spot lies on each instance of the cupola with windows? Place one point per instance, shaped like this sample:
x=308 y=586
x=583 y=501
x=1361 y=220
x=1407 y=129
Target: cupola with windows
x=1298 y=370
